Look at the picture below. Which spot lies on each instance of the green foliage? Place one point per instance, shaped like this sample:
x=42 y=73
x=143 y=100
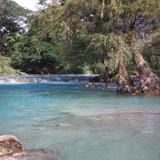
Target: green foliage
x=151 y=52
x=79 y=36
x=36 y=56
x=11 y=17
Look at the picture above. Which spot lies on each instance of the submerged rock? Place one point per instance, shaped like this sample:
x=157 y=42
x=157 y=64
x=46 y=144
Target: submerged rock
x=63 y=125
x=11 y=149
x=38 y=154
x=90 y=85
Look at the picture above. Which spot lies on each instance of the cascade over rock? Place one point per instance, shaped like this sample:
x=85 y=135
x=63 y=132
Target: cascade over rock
x=52 y=78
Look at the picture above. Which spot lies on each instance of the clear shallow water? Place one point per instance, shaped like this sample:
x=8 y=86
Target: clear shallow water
x=81 y=124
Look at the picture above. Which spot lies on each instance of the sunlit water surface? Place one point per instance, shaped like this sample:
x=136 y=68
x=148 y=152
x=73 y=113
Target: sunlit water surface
x=81 y=124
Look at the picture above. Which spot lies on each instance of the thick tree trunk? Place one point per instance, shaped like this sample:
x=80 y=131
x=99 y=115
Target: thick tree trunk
x=124 y=81
x=149 y=82
x=106 y=75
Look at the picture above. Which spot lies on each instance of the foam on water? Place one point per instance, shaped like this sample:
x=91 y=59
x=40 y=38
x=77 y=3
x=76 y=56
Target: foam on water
x=14 y=79
x=9 y=81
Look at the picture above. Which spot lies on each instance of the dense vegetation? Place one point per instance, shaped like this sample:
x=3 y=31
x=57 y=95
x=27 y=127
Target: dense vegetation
x=110 y=37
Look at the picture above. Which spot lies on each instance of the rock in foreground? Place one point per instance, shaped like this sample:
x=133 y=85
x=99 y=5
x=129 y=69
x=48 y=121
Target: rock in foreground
x=11 y=149
x=9 y=145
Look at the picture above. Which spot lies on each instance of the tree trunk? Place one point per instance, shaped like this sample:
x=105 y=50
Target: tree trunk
x=1 y=43
x=106 y=70
x=149 y=82
x=124 y=81
x=102 y=9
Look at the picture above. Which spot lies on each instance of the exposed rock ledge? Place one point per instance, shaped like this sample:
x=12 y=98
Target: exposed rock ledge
x=11 y=149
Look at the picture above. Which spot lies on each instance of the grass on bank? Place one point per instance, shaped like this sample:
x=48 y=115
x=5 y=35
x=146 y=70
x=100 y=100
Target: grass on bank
x=5 y=66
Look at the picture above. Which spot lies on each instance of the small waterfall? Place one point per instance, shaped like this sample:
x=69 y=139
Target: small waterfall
x=10 y=80
x=64 y=78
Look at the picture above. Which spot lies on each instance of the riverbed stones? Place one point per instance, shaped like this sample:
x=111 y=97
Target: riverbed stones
x=39 y=154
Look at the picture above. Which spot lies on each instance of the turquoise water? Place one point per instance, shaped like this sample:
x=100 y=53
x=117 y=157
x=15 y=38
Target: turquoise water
x=81 y=124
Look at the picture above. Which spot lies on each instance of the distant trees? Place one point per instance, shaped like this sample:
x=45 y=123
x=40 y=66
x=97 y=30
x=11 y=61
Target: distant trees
x=40 y=50
x=12 y=17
